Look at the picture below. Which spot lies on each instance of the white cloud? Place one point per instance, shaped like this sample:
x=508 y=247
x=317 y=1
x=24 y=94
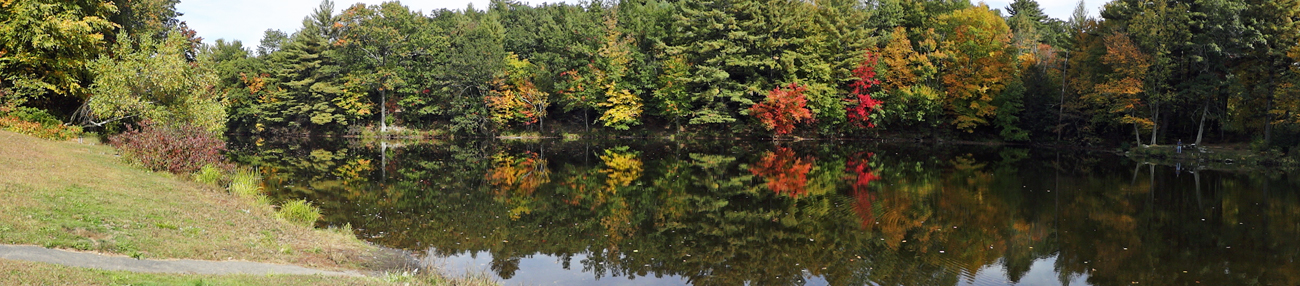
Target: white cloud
x=1060 y=9
x=246 y=20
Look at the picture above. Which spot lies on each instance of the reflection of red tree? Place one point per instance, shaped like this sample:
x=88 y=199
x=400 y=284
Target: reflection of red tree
x=785 y=173
x=860 y=172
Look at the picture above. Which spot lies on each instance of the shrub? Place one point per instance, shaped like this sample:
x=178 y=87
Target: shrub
x=209 y=174
x=299 y=212
x=36 y=122
x=34 y=115
x=52 y=132
x=180 y=150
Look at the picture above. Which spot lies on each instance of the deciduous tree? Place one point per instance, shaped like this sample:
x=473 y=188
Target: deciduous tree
x=783 y=108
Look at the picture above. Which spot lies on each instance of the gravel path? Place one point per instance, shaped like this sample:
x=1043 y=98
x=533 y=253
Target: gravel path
x=106 y=262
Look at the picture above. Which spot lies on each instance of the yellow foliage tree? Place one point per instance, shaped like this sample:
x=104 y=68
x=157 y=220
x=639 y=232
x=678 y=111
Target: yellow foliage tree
x=622 y=108
x=980 y=65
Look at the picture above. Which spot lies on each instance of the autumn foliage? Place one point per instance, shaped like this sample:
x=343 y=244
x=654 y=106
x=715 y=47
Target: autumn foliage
x=517 y=175
x=783 y=108
x=860 y=98
x=514 y=179
x=514 y=97
x=176 y=149
x=980 y=65
x=785 y=173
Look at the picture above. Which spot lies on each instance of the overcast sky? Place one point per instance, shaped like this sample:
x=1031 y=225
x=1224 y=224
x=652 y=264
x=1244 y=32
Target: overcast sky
x=246 y=20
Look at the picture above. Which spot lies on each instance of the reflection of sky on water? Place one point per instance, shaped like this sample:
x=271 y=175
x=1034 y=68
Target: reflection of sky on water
x=1040 y=273
x=542 y=270
x=548 y=270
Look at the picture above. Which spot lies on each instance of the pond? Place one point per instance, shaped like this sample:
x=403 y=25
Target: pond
x=647 y=212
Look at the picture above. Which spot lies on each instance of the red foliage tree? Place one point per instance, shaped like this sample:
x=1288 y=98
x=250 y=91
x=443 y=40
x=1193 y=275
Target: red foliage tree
x=860 y=99
x=861 y=174
x=783 y=108
x=785 y=173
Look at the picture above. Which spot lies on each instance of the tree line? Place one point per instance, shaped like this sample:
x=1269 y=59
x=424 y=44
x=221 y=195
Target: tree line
x=1158 y=70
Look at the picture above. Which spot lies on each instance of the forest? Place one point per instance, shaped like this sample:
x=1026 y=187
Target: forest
x=1145 y=72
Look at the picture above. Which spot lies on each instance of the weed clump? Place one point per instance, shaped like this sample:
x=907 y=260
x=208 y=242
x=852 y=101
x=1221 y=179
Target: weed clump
x=299 y=212
x=247 y=184
x=209 y=174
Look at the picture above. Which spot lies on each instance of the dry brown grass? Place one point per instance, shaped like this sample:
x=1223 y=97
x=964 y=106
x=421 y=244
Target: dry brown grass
x=33 y=273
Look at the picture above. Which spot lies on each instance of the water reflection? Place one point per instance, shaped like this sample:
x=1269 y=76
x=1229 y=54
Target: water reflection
x=805 y=213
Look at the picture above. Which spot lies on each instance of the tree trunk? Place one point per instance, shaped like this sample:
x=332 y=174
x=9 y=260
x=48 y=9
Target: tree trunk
x=1155 y=126
x=1200 y=130
x=1268 y=119
x=1137 y=134
x=383 y=110
x=1060 y=107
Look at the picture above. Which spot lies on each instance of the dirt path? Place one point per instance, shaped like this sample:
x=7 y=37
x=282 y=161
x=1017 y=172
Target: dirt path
x=184 y=266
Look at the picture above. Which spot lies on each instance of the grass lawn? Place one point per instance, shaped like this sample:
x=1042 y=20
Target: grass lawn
x=82 y=196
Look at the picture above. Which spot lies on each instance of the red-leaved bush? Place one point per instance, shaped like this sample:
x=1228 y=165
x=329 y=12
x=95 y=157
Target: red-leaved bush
x=180 y=150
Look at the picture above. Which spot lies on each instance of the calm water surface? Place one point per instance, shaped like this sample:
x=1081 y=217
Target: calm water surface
x=803 y=213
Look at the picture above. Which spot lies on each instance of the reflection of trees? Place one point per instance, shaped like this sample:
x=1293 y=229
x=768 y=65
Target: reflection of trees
x=712 y=215
x=785 y=174
x=861 y=175
x=1154 y=227
x=514 y=179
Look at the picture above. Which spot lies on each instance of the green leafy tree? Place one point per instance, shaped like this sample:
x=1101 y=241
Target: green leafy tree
x=271 y=42
x=474 y=56
x=393 y=46
x=306 y=88
x=1272 y=30
x=148 y=80
x=46 y=48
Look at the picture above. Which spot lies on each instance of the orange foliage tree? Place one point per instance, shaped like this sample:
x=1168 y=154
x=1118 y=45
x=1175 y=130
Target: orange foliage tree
x=514 y=97
x=1117 y=95
x=785 y=173
x=783 y=109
